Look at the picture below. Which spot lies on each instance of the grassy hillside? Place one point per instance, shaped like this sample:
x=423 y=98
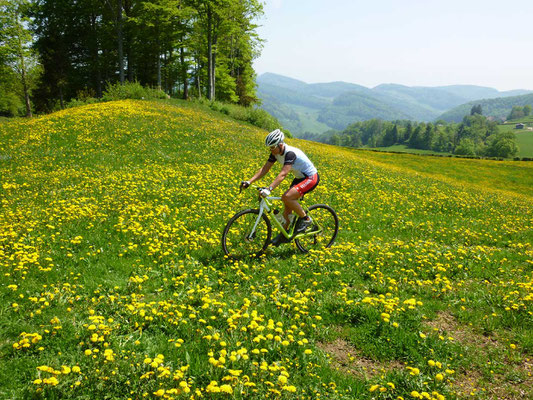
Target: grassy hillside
x=498 y=108
x=113 y=282
x=342 y=103
x=403 y=148
x=524 y=137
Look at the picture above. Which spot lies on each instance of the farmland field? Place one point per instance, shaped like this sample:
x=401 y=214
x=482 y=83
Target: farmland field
x=402 y=148
x=524 y=139
x=114 y=285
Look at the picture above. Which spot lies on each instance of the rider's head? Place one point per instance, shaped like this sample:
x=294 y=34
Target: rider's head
x=274 y=139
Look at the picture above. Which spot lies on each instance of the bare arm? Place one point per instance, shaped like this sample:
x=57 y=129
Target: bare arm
x=262 y=172
x=282 y=175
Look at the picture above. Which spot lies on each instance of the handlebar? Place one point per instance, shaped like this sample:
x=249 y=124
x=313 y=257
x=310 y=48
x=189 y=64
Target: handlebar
x=251 y=185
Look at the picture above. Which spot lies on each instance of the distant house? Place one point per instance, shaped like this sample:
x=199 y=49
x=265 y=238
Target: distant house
x=519 y=126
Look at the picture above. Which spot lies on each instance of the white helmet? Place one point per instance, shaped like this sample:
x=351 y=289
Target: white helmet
x=274 y=138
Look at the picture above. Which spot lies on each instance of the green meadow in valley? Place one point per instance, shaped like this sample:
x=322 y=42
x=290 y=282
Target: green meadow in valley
x=114 y=284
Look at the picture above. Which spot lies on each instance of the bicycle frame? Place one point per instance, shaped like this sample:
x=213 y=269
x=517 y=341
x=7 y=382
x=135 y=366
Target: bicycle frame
x=265 y=206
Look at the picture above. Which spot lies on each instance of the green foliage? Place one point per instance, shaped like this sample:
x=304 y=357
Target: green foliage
x=10 y=104
x=502 y=144
x=81 y=102
x=477 y=109
x=338 y=104
x=253 y=115
x=19 y=69
x=473 y=137
x=518 y=112
x=498 y=108
x=131 y=90
x=166 y=44
x=466 y=147
x=225 y=85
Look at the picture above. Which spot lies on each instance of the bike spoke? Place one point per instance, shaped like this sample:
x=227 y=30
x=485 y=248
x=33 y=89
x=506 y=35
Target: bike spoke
x=240 y=239
x=326 y=225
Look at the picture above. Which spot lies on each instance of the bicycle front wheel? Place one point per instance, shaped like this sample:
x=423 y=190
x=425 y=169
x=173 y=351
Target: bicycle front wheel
x=326 y=225
x=240 y=239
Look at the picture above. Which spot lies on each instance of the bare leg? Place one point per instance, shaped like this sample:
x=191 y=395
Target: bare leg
x=290 y=199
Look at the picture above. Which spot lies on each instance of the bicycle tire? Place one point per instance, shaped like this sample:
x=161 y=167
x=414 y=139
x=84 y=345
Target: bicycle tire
x=232 y=249
x=328 y=220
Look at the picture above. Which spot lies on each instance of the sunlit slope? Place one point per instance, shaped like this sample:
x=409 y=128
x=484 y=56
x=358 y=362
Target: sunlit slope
x=505 y=177
x=113 y=281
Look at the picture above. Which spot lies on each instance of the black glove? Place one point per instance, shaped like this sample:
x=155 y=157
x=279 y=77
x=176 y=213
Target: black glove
x=245 y=184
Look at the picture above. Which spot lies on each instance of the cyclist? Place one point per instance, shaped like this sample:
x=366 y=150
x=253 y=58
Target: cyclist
x=306 y=178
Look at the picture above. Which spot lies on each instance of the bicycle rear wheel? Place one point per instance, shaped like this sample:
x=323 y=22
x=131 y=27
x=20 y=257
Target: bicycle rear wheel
x=326 y=224
x=238 y=241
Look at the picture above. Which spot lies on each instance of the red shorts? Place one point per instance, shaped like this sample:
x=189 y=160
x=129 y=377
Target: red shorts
x=305 y=185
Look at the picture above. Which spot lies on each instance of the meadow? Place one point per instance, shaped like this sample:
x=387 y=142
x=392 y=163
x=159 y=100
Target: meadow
x=403 y=148
x=524 y=138
x=114 y=284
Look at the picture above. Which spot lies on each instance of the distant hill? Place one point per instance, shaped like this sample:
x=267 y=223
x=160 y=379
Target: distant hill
x=354 y=106
x=304 y=107
x=472 y=92
x=497 y=108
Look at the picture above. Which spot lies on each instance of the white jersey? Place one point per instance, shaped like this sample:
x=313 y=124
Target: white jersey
x=302 y=167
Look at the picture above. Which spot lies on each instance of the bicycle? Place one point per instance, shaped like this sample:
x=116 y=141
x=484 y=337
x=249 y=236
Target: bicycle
x=249 y=231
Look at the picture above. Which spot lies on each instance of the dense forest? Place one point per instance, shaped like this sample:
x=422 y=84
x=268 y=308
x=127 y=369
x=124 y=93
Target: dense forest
x=52 y=51
x=474 y=136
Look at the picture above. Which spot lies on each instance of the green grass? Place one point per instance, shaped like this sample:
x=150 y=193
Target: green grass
x=114 y=284
x=525 y=120
x=524 y=139
x=512 y=177
x=309 y=120
x=405 y=149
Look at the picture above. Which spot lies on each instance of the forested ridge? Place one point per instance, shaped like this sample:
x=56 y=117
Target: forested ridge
x=497 y=108
x=52 y=51
x=474 y=136
x=309 y=109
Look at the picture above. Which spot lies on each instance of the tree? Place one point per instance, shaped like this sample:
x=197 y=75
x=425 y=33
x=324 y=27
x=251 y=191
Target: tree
x=408 y=132
x=466 y=147
x=228 y=32
x=171 y=44
x=527 y=110
x=391 y=136
x=476 y=110
x=428 y=137
x=502 y=144
x=516 y=112
x=442 y=142
x=167 y=22
x=16 y=50
x=117 y=9
x=415 y=140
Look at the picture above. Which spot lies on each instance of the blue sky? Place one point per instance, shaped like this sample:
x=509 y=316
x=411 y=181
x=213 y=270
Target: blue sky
x=410 y=42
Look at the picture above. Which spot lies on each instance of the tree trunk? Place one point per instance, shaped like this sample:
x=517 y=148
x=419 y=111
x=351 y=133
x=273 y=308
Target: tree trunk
x=213 y=75
x=167 y=86
x=158 y=68
x=24 y=80
x=127 y=44
x=26 y=97
x=61 y=103
x=97 y=73
x=198 y=79
x=184 y=74
x=210 y=88
x=120 y=41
